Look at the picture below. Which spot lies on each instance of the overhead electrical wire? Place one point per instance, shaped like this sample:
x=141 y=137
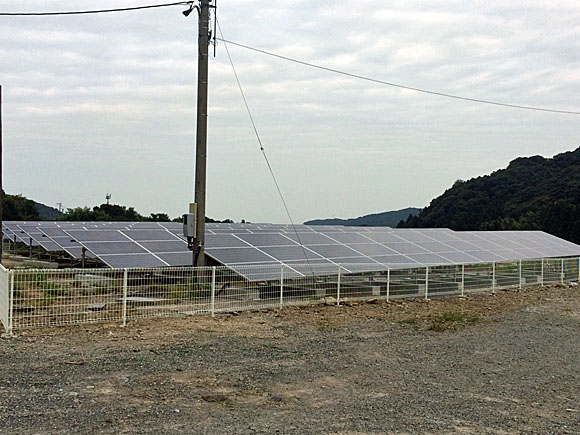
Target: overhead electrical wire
x=95 y=11
x=262 y=147
x=396 y=85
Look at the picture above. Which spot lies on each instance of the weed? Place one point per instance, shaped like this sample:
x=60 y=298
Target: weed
x=450 y=320
x=408 y=321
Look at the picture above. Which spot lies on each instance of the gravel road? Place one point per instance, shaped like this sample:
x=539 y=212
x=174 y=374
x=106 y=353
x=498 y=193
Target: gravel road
x=502 y=363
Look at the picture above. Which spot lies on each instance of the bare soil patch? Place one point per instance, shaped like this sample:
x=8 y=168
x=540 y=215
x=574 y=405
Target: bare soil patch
x=507 y=362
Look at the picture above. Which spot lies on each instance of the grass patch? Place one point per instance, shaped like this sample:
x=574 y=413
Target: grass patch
x=450 y=320
x=408 y=321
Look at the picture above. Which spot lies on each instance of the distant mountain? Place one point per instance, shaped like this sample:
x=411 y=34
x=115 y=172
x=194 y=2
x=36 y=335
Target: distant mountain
x=533 y=193
x=47 y=213
x=385 y=219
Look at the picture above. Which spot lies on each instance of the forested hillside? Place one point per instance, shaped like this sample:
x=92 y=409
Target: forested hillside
x=531 y=193
x=17 y=207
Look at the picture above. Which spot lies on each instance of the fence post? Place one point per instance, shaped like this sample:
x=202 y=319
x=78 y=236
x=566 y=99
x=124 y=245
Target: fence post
x=462 y=279
x=493 y=278
x=388 y=283
x=281 y=285
x=542 y=276
x=338 y=286
x=125 y=275
x=10 y=303
x=213 y=291
x=520 y=272
x=562 y=271
x=426 y=282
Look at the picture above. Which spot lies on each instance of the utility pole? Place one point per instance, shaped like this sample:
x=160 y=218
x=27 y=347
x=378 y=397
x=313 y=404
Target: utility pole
x=201 y=140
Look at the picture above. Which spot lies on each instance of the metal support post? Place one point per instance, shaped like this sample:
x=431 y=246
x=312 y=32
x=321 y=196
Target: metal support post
x=388 y=283
x=281 y=285
x=493 y=278
x=10 y=303
x=520 y=272
x=427 y=282
x=125 y=279
x=462 y=279
x=562 y=271
x=338 y=286
x=542 y=275
x=213 y=291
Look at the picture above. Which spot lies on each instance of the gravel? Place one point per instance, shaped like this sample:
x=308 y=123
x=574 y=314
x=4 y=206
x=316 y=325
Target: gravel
x=507 y=362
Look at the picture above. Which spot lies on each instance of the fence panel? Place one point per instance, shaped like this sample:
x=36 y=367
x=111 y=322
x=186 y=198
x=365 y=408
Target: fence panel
x=479 y=277
x=552 y=270
x=531 y=272
x=59 y=297
x=358 y=283
x=507 y=274
x=571 y=266
x=444 y=280
x=407 y=283
x=311 y=283
x=163 y=292
x=4 y=298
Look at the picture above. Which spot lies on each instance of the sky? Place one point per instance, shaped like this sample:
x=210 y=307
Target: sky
x=105 y=103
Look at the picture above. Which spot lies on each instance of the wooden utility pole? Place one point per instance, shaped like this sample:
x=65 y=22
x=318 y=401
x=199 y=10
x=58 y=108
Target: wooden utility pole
x=201 y=140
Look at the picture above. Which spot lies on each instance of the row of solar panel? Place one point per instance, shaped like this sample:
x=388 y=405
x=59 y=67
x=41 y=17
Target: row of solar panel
x=362 y=248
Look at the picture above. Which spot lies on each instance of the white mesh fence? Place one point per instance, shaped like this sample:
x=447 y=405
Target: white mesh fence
x=35 y=298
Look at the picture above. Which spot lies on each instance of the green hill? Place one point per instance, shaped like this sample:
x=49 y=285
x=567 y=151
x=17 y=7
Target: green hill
x=385 y=219
x=532 y=193
x=46 y=213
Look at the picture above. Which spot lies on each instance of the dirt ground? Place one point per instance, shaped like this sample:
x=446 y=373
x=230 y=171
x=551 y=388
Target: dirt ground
x=502 y=363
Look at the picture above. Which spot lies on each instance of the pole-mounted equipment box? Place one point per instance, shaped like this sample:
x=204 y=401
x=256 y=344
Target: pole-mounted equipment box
x=189 y=226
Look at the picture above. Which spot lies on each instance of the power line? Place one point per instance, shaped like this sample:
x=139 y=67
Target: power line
x=396 y=85
x=95 y=11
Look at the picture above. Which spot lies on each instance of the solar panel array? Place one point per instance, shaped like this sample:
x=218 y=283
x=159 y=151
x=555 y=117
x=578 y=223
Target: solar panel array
x=305 y=250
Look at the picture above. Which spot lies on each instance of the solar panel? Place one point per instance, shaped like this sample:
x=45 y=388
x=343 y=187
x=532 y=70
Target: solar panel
x=371 y=249
x=106 y=248
x=287 y=253
x=267 y=239
x=132 y=260
x=184 y=258
x=149 y=234
x=406 y=248
x=224 y=241
x=239 y=255
x=166 y=246
x=152 y=244
x=97 y=236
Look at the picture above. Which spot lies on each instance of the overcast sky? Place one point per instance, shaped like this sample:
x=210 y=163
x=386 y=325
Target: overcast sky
x=106 y=103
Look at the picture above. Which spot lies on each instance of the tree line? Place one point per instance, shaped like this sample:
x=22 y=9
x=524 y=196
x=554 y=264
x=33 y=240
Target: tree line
x=19 y=208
